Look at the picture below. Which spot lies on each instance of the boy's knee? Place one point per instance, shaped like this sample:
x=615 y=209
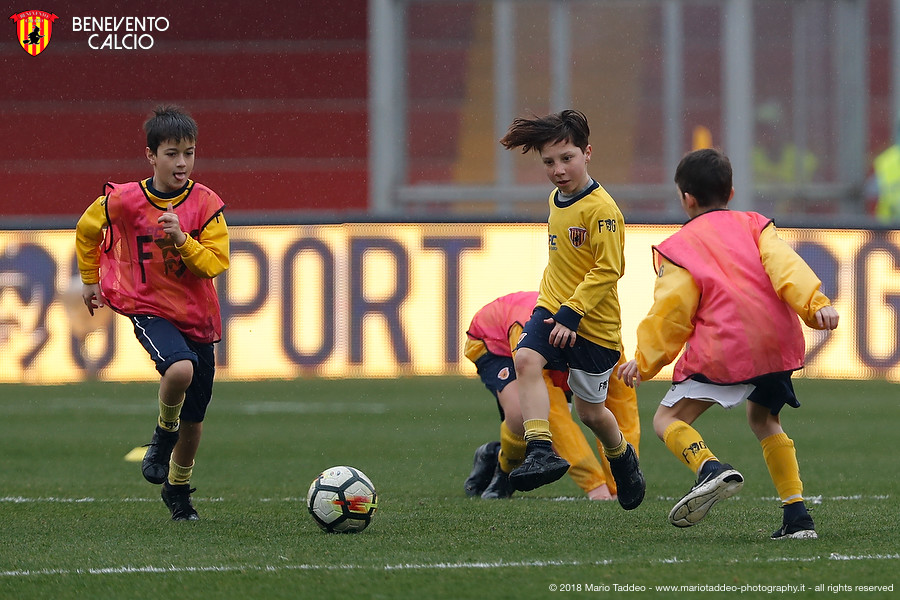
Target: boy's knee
x=181 y=372
x=529 y=364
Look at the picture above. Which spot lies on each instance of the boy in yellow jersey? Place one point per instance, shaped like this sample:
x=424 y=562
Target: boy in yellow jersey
x=492 y=334
x=728 y=291
x=150 y=251
x=576 y=324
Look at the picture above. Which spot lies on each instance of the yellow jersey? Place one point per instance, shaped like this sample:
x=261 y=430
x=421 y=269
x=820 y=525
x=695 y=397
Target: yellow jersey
x=586 y=240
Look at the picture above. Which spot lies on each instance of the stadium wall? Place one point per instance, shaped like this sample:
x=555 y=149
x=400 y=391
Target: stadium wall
x=389 y=300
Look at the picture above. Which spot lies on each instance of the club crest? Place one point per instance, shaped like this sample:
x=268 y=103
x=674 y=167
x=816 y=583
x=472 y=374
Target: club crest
x=577 y=235
x=33 y=30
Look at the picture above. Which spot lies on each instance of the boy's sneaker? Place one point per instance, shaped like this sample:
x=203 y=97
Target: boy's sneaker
x=715 y=483
x=797 y=527
x=155 y=465
x=499 y=486
x=178 y=500
x=482 y=468
x=541 y=466
x=630 y=484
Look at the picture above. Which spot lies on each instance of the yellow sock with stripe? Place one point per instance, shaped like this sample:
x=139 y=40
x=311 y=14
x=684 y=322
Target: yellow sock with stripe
x=179 y=475
x=169 y=416
x=781 y=459
x=512 y=449
x=616 y=452
x=537 y=429
x=687 y=444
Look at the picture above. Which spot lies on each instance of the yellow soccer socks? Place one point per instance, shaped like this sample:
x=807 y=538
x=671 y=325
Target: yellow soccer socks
x=617 y=451
x=179 y=475
x=687 y=444
x=781 y=459
x=537 y=430
x=169 y=416
x=512 y=449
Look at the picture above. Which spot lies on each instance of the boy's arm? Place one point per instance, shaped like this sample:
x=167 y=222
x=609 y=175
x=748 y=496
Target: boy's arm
x=208 y=256
x=88 y=238
x=663 y=332
x=794 y=281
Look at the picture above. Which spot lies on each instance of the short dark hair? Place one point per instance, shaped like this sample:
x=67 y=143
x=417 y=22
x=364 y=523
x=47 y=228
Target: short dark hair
x=169 y=122
x=537 y=132
x=706 y=175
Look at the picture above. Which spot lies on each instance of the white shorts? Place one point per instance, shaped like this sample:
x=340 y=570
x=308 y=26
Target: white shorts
x=590 y=387
x=727 y=396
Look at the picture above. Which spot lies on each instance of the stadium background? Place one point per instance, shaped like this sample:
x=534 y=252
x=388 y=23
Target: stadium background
x=362 y=251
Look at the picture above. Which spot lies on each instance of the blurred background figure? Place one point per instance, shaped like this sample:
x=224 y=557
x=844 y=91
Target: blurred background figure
x=883 y=187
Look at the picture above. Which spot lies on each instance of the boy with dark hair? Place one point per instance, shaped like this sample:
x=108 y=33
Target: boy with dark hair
x=728 y=291
x=576 y=324
x=150 y=250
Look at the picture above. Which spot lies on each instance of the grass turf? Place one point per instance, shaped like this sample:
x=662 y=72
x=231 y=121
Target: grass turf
x=79 y=521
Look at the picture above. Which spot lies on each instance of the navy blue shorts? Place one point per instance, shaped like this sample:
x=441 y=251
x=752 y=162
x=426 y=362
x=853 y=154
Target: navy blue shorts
x=774 y=391
x=590 y=365
x=584 y=355
x=166 y=346
x=496 y=373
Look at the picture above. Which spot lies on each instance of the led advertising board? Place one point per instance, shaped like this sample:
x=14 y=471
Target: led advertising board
x=388 y=300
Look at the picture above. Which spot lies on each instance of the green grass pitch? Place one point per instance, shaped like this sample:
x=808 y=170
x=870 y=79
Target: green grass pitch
x=79 y=521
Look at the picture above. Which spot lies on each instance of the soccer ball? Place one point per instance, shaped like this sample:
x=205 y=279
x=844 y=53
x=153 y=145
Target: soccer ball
x=342 y=500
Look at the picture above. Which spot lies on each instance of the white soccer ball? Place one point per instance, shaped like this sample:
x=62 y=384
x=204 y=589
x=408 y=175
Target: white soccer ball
x=342 y=500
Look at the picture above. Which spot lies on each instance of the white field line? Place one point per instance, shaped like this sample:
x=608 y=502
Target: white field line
x=88 y=499
x=404 y=566
x=129 y=569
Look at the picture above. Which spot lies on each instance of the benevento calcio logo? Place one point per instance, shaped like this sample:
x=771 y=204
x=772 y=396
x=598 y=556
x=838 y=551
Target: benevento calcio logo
x=577 y=235
x=33 y=29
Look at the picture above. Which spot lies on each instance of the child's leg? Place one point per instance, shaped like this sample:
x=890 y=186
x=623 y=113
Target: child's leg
x=174 y=360
x=602 y=422
x=672 y=425
x=512 y=448
x=512 y=428
x=181 y=465
x=172 y=386
x=197 y=397
x=781 y=460
x=778 y=452
x=570 y=443
x=623 y=460
x=621 y=401
x=533 y=398
x=715 y=480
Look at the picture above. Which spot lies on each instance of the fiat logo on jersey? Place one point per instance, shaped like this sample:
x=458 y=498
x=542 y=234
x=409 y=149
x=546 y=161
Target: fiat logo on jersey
x=33 y=29
x=577 y=235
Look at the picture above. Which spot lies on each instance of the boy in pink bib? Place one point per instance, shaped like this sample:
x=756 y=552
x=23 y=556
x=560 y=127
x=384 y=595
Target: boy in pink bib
x=728 y=292
x=150 y=250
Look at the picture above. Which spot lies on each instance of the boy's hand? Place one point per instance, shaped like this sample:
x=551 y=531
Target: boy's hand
x=172 y=226
x=629 y=374
x=561 y=336
x=827 y=318
x=90 y=293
